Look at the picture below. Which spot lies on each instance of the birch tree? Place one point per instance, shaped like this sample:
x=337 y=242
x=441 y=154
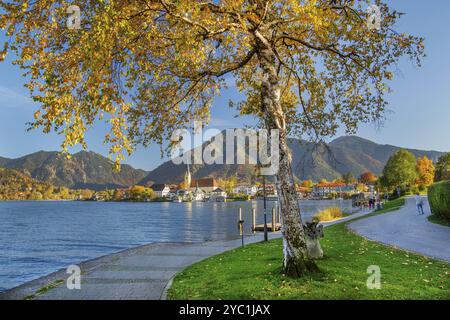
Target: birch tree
x=148 y=67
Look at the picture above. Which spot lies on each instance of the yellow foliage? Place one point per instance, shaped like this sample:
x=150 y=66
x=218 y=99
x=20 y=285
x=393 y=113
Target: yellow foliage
x=329 y=214
x=149 y=68
x=425 y=171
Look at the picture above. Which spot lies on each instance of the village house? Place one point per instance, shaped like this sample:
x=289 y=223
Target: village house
x=101 y=196
x=247 y=190
x=198 y=194
x=182 y=193
x=121 y=194
x=218 y=195
x=303 y=192
x=270 y=189
x=161 y=190
x=326 y=189
x=207 y=185
x=173 y=192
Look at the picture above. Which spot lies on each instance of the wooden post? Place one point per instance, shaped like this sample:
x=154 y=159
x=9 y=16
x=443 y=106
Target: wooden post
x=254 y=220
x=241 y=225
x=266 y=237
x=240 y=221
x=278 y=214
x=274 y=223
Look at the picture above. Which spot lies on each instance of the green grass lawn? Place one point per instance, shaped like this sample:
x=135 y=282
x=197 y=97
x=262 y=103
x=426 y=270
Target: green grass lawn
x=439 y=220
x=254 y=272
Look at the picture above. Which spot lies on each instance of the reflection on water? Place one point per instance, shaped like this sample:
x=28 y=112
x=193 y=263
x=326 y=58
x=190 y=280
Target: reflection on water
x=37 y=238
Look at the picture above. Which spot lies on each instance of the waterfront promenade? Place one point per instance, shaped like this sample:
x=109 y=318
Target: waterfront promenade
x=140 y=273
x=145 y=273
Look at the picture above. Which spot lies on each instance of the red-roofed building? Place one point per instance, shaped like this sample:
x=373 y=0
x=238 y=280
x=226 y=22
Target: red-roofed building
x=207 y=185
x=303 y=192
x=270 y=189
x=325 y=189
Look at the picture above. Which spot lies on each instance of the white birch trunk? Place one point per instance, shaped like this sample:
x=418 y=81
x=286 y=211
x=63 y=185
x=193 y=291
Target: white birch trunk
x=296 y=259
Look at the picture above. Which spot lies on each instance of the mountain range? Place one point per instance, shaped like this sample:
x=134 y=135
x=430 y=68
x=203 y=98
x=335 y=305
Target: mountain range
x=84 y=170
x=309 y=161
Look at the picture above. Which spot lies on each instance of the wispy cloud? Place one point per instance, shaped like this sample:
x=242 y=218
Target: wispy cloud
x=12 y=98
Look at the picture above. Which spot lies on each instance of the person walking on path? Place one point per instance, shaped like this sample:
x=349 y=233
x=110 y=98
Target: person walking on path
x=371 y=201
x=419 y=203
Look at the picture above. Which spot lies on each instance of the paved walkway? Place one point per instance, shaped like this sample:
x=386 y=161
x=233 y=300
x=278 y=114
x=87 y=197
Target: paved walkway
x=408 y=230
x=136 y=274
x=141 y=273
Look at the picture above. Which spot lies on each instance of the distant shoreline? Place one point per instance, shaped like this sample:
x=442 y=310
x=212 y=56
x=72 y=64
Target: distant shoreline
x=62 y=200
x=168 y=201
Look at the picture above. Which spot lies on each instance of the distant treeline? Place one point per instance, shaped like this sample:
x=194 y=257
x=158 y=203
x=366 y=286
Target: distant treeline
x=16 y=185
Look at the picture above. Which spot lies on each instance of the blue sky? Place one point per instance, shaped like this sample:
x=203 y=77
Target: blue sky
x=418 y=116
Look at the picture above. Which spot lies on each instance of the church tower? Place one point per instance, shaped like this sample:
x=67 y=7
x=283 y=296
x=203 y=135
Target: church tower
x=187 y=178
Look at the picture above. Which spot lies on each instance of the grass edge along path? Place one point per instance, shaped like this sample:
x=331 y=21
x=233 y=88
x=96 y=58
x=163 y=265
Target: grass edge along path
x=44 y=289
x=254 y=272
x=438 y=220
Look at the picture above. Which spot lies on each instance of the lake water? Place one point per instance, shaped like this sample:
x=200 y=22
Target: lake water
x=37 y=238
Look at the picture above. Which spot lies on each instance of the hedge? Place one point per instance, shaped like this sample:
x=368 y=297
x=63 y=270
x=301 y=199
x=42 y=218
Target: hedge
x=439 y=199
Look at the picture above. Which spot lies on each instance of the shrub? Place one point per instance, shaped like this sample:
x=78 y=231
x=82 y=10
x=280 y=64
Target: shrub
x=413 y=190
x=439 y=199
x=329 y=214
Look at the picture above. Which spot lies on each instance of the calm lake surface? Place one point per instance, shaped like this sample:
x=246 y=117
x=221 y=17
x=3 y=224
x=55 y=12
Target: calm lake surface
x=37 y=238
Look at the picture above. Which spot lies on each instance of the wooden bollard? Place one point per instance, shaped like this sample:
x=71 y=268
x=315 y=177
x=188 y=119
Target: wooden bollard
x=240 y=221
x=241 y=225
x=278 y=215
x=274 y=223
x=254 y=220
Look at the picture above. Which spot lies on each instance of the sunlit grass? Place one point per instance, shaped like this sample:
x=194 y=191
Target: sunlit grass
x=254 y=272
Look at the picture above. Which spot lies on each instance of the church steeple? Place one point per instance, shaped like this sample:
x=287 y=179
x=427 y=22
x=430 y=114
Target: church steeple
x=187 y=178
